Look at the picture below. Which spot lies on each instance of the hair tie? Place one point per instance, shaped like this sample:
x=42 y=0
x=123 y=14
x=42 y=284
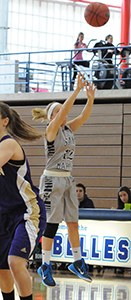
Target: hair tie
x=50 y=110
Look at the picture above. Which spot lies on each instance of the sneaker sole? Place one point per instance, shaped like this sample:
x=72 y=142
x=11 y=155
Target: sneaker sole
x=74 y=271
x=39 y=272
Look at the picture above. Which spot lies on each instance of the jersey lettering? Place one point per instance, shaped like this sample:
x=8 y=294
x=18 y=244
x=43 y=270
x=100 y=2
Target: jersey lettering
x=68 y=154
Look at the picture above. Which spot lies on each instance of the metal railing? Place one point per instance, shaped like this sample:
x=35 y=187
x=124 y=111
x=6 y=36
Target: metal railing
x=52 y=71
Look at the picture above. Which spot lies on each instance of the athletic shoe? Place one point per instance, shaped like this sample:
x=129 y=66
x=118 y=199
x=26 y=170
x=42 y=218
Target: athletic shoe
x=80 y=268
x=45 y=271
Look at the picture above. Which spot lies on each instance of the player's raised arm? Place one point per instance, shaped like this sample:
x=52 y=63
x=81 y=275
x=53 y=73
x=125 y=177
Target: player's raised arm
x=84 y=115
x=62 y=111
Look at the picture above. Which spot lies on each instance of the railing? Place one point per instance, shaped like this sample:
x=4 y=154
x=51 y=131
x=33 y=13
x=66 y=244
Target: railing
x=52 y=71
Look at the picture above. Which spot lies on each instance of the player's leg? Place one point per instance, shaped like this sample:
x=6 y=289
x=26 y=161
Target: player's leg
x=73 y=234
x=45 y=270
x=7 y=285
x=6 y=279
x=18 y=267
x=22 y=243
x=71 y=217
x=79 y=266
x=54 y=206
x=25 y=240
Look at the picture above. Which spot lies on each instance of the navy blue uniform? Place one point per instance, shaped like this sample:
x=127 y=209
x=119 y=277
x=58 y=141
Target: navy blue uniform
x=22 y=211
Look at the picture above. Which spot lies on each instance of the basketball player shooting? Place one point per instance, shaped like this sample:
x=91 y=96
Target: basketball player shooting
x=57 y=186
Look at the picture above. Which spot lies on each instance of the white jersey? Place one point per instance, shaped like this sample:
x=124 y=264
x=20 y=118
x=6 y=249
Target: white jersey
x=60 y=152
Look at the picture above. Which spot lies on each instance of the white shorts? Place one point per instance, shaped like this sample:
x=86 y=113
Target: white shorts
x=59 y=195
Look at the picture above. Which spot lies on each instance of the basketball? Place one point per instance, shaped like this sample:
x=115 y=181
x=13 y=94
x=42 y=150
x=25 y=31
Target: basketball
x=97 y=14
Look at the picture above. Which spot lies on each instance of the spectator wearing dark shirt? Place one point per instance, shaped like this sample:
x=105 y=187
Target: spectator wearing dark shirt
x=84 y=201
x=108 y=53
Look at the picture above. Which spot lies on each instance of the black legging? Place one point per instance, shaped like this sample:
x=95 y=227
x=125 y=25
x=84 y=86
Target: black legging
x=83 y=63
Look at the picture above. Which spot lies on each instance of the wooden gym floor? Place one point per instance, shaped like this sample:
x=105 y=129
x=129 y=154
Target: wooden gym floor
x=104 y=286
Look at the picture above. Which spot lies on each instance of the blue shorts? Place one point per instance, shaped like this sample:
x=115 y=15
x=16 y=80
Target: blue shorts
x=20 y=234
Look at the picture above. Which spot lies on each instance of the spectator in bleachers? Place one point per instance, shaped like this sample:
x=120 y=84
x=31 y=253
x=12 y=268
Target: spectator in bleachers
x=107 y=54
x=78 y=59
x=84 y=201
x=124 y=196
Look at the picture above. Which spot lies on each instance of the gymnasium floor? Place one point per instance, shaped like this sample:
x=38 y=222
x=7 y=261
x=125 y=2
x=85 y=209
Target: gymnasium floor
x=107 y=286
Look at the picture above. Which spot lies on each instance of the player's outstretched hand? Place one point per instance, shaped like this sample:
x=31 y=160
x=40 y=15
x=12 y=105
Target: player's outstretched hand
x=80 y=82
x=90 y=91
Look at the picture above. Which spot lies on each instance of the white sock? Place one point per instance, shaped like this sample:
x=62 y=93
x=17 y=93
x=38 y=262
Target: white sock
x=76 y=253
x=45 y=257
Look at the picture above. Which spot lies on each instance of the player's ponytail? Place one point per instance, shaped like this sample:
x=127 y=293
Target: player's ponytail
x=39 y=113
x=16 y=127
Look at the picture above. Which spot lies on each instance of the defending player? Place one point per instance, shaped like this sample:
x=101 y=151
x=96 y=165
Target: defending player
x=22 y=212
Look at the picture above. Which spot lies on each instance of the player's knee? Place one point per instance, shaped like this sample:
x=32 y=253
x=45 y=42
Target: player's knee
x=12 y=262
x=15 y=263
x=50 y=231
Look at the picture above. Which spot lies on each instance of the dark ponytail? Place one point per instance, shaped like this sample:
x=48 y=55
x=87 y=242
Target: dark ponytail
x=16 y=127
x=77 y=40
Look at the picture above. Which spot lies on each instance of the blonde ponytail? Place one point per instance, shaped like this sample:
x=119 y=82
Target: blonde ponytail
x=39 y=113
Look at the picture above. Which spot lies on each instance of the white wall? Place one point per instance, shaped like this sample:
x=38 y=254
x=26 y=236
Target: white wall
x=37 y=25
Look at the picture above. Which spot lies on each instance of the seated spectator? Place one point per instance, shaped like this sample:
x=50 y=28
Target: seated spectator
x=84 y=201
x=124 y=196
